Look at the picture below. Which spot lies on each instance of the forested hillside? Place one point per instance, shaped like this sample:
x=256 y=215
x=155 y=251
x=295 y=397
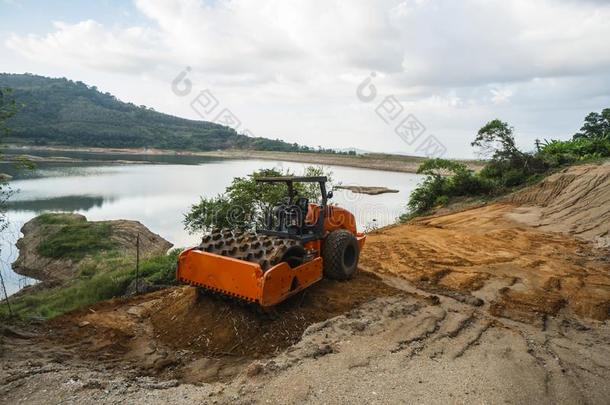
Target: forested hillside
x=64 y=112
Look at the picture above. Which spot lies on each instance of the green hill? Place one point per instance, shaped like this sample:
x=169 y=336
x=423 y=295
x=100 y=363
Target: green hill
x=64 y=112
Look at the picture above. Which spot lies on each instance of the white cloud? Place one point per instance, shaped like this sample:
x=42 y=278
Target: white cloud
x=501 y=96
x=455 y=63
x=89 y=44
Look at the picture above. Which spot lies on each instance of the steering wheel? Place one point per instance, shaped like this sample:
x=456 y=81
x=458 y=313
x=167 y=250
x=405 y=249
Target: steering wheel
x=294 y=217
x=278 y=214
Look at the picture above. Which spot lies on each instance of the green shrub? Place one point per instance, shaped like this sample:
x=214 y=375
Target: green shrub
x=425 y=196
x=161 y=269
x=558 y=153
x=514 y=177
x=446 y=179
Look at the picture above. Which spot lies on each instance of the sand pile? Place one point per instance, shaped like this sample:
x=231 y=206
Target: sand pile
x=575 y=201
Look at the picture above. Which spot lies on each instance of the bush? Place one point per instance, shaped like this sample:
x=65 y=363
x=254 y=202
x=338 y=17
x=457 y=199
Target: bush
x=558 y=153
x=446 y=179
x=426 y=195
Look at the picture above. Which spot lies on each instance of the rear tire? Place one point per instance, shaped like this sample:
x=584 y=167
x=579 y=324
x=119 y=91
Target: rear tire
x=340 y=255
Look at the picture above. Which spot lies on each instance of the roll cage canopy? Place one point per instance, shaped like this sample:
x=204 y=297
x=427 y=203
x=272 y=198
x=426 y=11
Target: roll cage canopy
x=304 y=232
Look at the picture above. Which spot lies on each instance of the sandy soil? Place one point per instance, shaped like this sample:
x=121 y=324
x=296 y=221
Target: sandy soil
x=467 y=307
x=524 y=273
x=575 y=201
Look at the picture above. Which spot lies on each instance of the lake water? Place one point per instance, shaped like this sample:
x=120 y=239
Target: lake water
x=159 y=194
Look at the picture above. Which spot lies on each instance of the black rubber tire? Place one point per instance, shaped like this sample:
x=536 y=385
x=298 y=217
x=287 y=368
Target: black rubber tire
x=340 y=255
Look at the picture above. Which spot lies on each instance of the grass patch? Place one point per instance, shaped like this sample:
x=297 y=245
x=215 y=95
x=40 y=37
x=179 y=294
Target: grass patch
x=58 y=219
x=102 y=277
x=67 y=237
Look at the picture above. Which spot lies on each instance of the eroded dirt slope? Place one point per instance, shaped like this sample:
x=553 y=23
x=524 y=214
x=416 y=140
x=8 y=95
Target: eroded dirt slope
x=575 y=201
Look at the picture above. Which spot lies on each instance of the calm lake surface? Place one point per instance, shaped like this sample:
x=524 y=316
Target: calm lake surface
x=159 y=194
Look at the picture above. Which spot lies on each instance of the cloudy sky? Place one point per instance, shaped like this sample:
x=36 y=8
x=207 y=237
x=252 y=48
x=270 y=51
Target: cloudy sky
x=297 y=69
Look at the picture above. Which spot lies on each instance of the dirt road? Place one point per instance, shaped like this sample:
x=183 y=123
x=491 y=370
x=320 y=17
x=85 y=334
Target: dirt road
x=485 y=305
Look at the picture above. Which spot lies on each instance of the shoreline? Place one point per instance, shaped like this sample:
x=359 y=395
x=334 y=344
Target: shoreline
x=372 y=161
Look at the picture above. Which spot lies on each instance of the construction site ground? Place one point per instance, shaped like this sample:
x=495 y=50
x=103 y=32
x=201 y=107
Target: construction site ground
x=491 y=304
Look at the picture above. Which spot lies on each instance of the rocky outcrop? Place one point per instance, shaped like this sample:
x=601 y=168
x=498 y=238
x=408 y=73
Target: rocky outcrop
x=123 y=235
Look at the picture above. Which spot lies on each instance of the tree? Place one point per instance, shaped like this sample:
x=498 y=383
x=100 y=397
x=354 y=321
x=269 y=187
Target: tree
x=8 y=108
x=245 y=201
x=596 y=126
x=508 y=164
x=496 y=139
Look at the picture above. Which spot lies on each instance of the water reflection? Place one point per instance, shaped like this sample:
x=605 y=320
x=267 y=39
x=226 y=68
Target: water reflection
x=67 y=203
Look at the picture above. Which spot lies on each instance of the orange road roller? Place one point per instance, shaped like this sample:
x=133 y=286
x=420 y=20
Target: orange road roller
x=299 y=243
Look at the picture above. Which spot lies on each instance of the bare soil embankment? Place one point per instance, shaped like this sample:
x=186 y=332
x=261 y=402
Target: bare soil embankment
x=575 y=201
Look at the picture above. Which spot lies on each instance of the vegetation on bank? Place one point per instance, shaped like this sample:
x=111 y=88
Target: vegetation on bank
x=508 y=167
x=64 y=112
x=245 y=201
x=74 y=239
x=104 y=276
x=103 y=269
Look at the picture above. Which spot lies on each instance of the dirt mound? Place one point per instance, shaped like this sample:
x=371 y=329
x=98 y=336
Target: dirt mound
x=122 y=238
x=192 y=336
x=575 y=201
x=215 y=326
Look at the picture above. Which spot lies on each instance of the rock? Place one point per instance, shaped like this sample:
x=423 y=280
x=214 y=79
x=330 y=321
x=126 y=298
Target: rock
x=162 y=385
x=82 y=324
x=316 y=351
x=254 y=369
x=123 y=235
